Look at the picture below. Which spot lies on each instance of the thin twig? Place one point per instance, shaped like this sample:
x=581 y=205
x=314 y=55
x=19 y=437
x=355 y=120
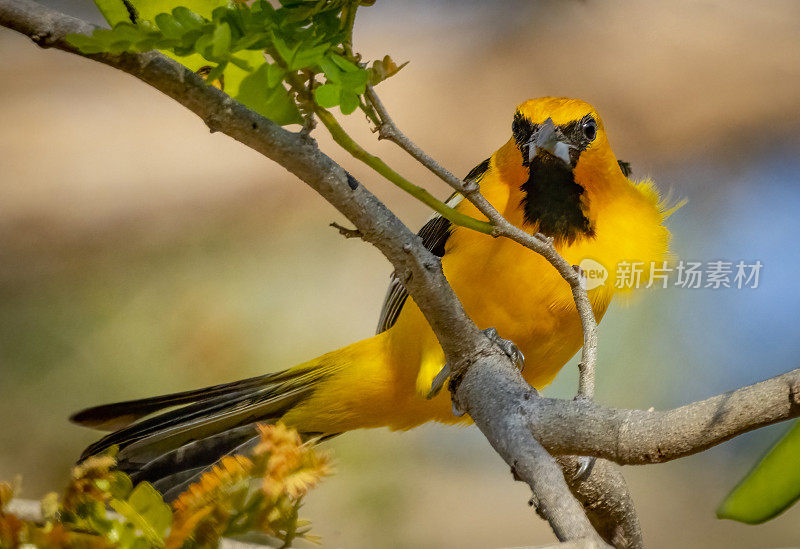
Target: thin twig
x=344 y=140
x=345 y=231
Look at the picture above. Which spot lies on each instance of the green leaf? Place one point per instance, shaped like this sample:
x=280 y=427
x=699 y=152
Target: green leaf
x=203 y=46
x=148 y=9
x=345 y=64
x=170 y=27
x=331 y=69
x=308 y=57
x=241 y=63
x=248 y=40
x=328 y=95
x=221 y=40
x=114 y=11
x=286 y=53
x=349 y=102
x=128 y=32
x=86 y=44
x=146 y=510
x=187 y=18
x=120 y=486
x=770 y=488
x=275 y=75
x=355 y=81
x=274 y=102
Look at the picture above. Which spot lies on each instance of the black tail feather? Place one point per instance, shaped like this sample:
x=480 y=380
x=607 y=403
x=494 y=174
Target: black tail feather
x=172 y=449
x=203 y=452
x=110 y=417
x=172 y=486
x=139 y=449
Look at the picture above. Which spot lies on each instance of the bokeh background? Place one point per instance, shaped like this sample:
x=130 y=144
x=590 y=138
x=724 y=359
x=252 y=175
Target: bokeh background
x=140 y=254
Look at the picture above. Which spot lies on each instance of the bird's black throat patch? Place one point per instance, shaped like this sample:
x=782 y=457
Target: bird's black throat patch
x=554 y=201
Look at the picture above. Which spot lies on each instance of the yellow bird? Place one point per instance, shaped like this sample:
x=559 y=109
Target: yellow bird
x=556 y=175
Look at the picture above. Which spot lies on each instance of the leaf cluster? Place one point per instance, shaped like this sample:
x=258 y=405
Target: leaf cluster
x=260 y=494
x=303 y=44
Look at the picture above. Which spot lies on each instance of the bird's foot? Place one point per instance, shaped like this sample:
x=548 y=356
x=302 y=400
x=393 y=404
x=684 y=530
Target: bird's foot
x=505 y=345
x=508 y=347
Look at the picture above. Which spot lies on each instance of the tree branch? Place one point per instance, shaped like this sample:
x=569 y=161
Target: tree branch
x=512 y=438
x=631 y=437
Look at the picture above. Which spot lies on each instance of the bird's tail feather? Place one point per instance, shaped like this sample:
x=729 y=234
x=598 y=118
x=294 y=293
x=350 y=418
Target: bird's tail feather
x=173 y=448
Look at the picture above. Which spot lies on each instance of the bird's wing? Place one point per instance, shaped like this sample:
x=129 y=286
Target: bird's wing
x=434 y=235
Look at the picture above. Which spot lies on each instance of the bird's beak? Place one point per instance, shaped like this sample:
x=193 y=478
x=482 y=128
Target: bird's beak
x=548 y=139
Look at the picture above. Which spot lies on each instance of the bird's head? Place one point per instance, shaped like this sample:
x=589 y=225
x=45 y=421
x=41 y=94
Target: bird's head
x=560 y=149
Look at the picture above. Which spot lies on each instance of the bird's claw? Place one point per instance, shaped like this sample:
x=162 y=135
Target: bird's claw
x=585 y=466
x=585 y=463
x=437 y=385
x=439 y=381
x=508 y=347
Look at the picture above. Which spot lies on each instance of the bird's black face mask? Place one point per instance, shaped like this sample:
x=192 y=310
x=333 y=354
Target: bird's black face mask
x=551 y=197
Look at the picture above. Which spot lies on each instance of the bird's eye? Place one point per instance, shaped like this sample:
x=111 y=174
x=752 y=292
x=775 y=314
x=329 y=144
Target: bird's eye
x=590 y=128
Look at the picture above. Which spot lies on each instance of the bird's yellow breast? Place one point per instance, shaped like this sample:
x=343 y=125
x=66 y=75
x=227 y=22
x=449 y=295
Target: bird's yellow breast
x=508 y=287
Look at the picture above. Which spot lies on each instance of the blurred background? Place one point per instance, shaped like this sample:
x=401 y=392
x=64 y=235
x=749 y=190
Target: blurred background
x=140 y=254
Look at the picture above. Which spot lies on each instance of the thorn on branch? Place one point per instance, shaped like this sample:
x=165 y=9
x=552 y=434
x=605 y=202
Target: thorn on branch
x=346 y=232
x=352 y=181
